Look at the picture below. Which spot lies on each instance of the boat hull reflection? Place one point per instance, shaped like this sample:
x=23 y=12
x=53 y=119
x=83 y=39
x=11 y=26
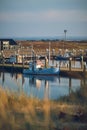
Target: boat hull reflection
x=42 y=77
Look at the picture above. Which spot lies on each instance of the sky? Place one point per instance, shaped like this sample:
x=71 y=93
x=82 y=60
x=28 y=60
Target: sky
x=43 y=18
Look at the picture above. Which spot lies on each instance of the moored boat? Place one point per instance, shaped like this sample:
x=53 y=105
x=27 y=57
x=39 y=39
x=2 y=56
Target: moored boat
x=35 y=70
x=35 y=67
x=61 y=58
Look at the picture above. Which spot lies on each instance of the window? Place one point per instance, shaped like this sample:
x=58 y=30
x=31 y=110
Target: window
x=5 y=44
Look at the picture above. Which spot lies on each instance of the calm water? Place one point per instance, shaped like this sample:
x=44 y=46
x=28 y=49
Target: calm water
x=49 y=87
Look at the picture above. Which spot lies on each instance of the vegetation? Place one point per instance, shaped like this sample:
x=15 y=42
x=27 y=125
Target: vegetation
x=19 y=112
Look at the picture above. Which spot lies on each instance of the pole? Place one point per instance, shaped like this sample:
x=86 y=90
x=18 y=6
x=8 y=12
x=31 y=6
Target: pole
x=49 y=53
x=65 y=31
x=70 y=64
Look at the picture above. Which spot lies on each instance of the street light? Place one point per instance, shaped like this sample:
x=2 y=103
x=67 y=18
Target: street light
x=65 y=31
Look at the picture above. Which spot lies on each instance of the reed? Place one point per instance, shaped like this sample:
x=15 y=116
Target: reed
x=19 y=112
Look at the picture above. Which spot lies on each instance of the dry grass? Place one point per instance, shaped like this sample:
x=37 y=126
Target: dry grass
x=23 y=113
x=41 y=46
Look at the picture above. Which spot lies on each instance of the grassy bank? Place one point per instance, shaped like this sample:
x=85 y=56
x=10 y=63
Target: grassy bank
x=19 y=112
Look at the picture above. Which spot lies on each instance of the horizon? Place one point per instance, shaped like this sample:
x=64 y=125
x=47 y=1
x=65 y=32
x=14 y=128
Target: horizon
x=69 y=38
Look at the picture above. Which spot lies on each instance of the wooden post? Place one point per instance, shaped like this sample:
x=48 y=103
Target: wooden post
x=23 y=61
x=70 y=85
x=46 y=60
x=53 y=53
x=70 y=64
x=81 y=62
x=84 y=68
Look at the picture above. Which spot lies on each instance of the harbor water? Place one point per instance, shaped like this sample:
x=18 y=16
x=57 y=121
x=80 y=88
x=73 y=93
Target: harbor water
x=41 y=87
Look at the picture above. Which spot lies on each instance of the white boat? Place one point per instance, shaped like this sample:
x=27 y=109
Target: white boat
x=36 y=69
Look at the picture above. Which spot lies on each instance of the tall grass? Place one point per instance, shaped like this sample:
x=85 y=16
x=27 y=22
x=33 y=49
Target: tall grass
x=24 y=113
x=21 y=112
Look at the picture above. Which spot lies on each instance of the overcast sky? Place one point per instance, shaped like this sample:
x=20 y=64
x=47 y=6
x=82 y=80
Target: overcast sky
x=35 y=18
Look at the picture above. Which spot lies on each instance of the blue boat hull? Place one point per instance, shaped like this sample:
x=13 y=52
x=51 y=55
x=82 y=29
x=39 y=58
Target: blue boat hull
x=45 y=71
x=61 y=58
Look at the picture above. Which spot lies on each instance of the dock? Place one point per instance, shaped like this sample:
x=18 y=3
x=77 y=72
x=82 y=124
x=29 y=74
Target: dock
x=73 y=72
x=64 y=71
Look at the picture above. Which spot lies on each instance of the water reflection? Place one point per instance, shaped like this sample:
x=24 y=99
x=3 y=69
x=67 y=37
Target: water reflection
x=3 y=78
x=70 y=85
x=46 y=90
x=42 y=87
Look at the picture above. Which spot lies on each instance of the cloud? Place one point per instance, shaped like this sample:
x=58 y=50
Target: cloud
x=44 y=16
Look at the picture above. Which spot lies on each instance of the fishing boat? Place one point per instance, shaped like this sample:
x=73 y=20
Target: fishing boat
x=36 y=69
x=62 y=58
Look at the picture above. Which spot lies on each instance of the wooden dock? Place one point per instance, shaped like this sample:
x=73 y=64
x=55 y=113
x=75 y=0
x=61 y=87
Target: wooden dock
x=64 y=71
x=73 y=72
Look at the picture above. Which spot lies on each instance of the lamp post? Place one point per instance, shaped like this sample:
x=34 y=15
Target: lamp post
x=65 y=31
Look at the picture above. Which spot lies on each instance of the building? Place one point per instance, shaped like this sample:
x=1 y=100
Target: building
x=6 y=44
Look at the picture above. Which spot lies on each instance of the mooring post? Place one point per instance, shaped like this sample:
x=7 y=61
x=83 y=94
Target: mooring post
x=53 y=53
x=84 y=68
x=23 y=61
x=81 y=62
x=70 y=59
x=46 y=62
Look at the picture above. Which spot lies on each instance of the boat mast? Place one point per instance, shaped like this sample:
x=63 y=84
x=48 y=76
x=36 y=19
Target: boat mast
x=49 y=53
x=32 y=52
x=32 y=57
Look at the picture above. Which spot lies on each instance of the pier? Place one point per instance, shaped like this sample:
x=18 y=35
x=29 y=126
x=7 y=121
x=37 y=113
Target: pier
x=64 y=71
x=74 y=72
